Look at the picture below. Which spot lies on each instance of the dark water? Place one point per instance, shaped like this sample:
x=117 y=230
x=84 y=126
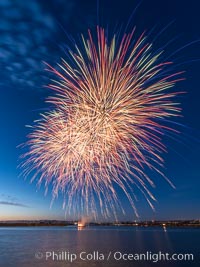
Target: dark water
x=34 y=246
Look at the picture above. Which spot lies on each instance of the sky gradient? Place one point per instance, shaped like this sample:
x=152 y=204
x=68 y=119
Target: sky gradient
x=34 y=31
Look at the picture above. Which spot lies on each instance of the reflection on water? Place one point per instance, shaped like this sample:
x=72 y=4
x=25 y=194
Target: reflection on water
x=28 y=246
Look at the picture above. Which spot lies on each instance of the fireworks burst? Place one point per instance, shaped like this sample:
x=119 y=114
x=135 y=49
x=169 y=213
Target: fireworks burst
x=106 y=126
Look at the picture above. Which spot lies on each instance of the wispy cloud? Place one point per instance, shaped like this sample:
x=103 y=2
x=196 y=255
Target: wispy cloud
x=27 y=29
x=13 y=204
x=11 y=201
x=33 y=32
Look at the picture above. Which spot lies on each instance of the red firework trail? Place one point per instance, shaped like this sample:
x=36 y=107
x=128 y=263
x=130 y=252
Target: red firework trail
x=106 y=125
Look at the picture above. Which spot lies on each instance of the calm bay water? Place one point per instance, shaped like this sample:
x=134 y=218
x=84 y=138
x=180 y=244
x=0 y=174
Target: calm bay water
x=34 y=246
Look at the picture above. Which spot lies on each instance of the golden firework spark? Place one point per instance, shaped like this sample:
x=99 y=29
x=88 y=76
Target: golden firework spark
x=106 y=126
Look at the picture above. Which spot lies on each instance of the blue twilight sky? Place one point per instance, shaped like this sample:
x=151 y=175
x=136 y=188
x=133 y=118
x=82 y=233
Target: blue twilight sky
x=35 y=31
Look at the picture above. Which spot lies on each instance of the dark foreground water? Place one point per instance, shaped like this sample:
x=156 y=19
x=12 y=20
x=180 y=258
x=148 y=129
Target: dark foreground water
x=99 y=246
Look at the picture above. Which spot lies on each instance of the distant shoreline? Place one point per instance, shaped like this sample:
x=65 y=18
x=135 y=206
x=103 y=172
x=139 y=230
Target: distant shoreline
x=173 y=223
